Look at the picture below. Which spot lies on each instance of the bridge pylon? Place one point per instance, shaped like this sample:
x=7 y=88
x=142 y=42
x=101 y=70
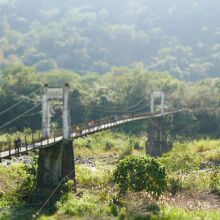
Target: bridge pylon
x=56 y=161
x=59 y=94
x=153 y=96
x=158 y=128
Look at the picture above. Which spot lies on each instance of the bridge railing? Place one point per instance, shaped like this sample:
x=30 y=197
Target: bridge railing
x=78 y=129
x=27 y=141
x=35 y=140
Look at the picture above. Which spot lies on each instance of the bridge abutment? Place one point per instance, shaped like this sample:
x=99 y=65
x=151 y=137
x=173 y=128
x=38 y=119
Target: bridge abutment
x=158 y=137
x=55 y=163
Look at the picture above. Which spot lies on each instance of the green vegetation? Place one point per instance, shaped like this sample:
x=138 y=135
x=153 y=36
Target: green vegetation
x=192 y=156
x=189 y=166
x=181 y=214
x=27 y=186
x=94 y=36
x=11 y=201
x=94 y=97
x=215 y=180
x=140 y=173
x=97 y=144
x=191 y=192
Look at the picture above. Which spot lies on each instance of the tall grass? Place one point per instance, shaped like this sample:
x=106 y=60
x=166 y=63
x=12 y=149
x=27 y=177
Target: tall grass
x=170 y=213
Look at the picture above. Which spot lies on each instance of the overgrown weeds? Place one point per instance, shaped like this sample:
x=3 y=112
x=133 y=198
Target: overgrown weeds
x=215 y=180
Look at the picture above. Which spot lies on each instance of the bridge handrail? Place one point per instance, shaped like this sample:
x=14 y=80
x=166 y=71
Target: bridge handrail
x=34 y=139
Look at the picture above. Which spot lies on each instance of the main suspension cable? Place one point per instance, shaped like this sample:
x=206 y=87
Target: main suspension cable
x=33 y=114
x=114 y=108
x=109 y=110
x=19 y=102
x=20 y=116
x=137 y=109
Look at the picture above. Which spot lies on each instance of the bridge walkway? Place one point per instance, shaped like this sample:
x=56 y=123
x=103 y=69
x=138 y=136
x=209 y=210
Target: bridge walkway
x=87 y=130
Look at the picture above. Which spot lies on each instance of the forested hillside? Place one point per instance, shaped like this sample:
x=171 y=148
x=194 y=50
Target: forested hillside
x=94 y=97
x=179 y=37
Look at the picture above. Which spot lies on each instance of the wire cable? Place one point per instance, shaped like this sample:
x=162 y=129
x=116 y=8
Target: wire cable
x=137 y=109
x=33 y=114
x=109 y=110
x=19 y=102
x=20 y=116
x=38 y=212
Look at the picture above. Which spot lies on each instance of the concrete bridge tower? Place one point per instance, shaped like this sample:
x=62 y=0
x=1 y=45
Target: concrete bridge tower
x=158 y=128
x=57 y=160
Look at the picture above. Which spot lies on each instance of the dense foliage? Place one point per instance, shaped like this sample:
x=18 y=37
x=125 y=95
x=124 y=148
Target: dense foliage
x=93 y=97
x=140 y=173
x=180 y=37
x=191 y=182
x=38 y=40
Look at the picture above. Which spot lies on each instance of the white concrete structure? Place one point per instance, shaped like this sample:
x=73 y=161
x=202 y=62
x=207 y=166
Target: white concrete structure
x=55 y=94
x=154 y=95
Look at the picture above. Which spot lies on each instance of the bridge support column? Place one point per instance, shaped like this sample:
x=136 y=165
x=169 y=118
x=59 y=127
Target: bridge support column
x=158 y=137
x=55 y=163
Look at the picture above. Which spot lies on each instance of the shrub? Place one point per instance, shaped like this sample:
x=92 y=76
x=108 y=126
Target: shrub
x=140 y=173
x=134 y=143
x=137 y=146
x=108 y=145
x=69 y=186
x=27 y=186
x=215 y=180
x=175 y=184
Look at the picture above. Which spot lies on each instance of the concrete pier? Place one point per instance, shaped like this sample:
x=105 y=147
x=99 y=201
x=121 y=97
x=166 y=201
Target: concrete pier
x=54 y=163
x=158 y=133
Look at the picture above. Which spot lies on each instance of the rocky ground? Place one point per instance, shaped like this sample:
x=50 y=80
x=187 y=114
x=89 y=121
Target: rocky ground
x=89 y=161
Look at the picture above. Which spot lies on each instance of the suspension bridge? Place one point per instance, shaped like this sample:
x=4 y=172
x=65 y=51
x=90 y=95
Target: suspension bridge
x=103 y=124
x=60 y=144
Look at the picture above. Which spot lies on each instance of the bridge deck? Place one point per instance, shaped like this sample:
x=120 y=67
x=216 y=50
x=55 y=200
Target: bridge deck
x=87 y=131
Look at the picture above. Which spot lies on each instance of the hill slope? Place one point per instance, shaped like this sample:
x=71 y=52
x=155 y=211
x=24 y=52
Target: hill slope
x=180 y=37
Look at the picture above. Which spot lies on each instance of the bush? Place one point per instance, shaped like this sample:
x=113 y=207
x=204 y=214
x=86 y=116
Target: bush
x=175 y=185
x=137 y=146
x=140 y=173
x=108 y=146
x=215 y=180
x=134 y=143
x=28 y=185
